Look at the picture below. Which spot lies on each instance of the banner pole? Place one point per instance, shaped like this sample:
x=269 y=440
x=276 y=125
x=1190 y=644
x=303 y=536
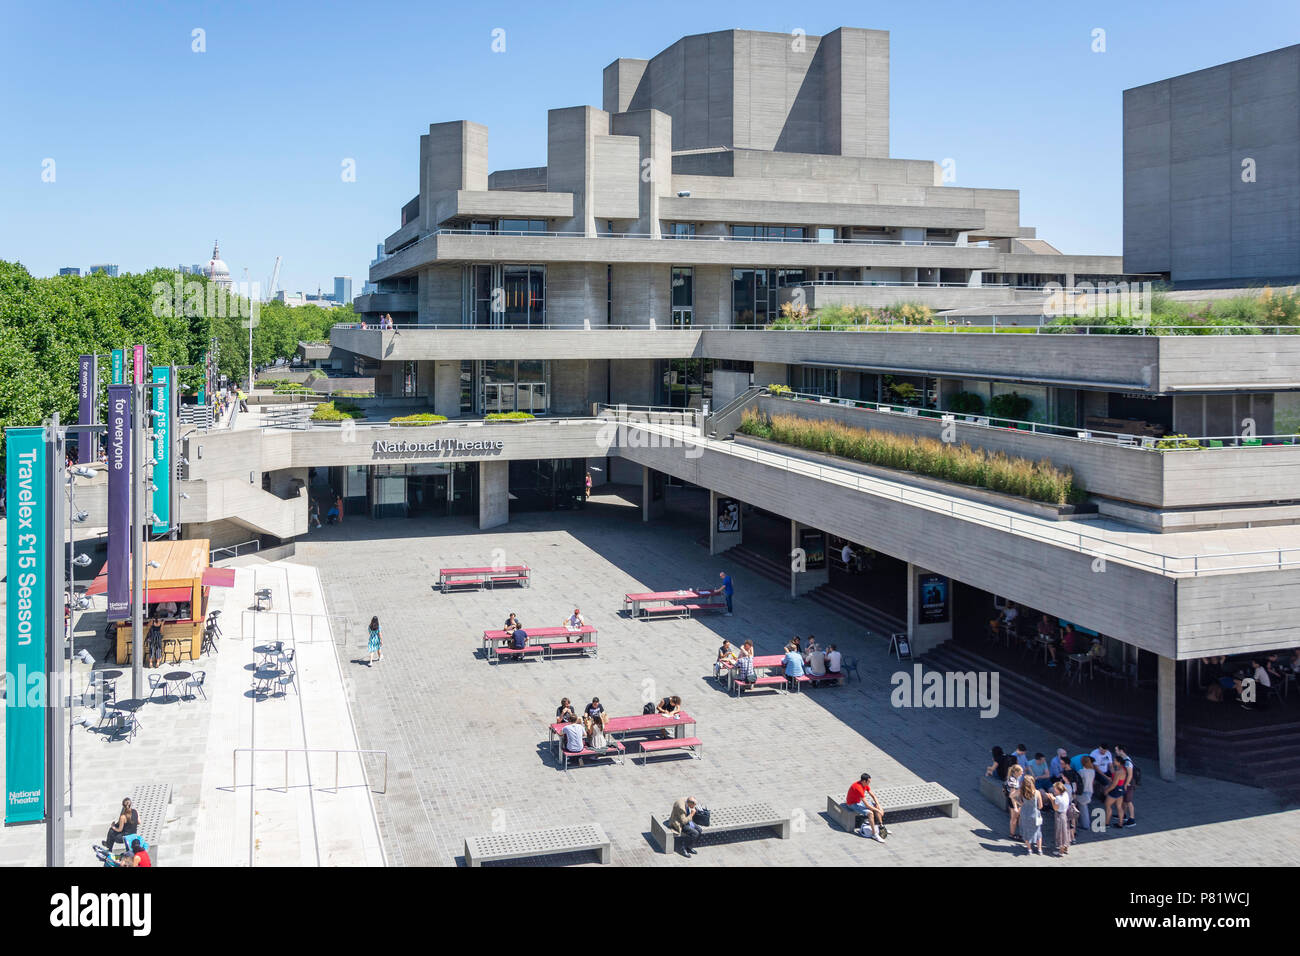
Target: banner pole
x=139 y=410
x=54 y=625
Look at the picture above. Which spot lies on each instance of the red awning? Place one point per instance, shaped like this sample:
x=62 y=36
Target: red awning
x=219 y=578
x=100 y=584
x=179 y=595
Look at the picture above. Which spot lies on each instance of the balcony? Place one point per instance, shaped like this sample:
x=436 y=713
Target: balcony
x=381 y=302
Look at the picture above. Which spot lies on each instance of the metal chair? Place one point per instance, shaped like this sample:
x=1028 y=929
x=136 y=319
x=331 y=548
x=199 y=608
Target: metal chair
x=155 y=682
x=850 y=667
x=196 y=681
x=287 y=680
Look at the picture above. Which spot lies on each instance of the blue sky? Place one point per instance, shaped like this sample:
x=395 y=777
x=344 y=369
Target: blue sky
x=158 y=150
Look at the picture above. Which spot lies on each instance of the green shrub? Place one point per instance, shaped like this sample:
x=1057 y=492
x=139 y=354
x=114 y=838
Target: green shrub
x=291 y=388
x=966 y=403
x=354 y=394
x=509 y=416
x=1177 y=441
x=1012 y=405
x=779 y=389
x=422 y=418
x=1038 y=481
x=336 y=412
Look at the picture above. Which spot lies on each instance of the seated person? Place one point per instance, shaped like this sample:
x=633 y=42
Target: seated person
x=816 y=660
x=669 y=707
x=595 y=730
x=793 y=663
x=572 y=735
x=574 y=620
x=137 y=854
x=1009 y=615
x=565 y=710
x=332 y=516
x=834 y=659
x=726 y=659
x=1047 y=632
x=595 y=710
x=1070 y=642
x=1059 y=762
x=1295 y=661
x=745 y=663
x=512 y=624
x=1040 y=771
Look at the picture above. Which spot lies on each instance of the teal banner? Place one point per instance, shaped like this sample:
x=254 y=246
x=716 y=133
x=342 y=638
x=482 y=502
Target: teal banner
x=119 y=366
x=203 y=382
x=162 y=448
x=27 y=590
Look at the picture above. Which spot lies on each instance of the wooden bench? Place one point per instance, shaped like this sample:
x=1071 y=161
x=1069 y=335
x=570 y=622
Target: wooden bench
x=913 y=796
x=615 y=751
x=692 y=745
x=513 y=846
x=519 y=652
x=779 y=681
x=754 y=816
x=580 y=646
x=151 y=801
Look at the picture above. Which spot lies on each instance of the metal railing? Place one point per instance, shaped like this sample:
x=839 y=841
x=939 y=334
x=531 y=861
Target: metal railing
x=1035 y=325
x=1093 y=546
x=1072 y=433
x=805 y=240
x=336 y=751
x=234 y=550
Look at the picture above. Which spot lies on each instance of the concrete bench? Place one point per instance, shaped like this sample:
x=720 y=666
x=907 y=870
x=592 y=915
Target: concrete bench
x=514 y=846
x=780 y=682
x=754 y=816
x=614 y=751
x=995 y=790
x=151 y=801
x=692 y=745
x=580 y=646
x=519 y=652
x=913 y=796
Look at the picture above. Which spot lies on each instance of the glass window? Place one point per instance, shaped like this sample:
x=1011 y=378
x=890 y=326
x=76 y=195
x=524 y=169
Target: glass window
x=825 y=234
x=683 y=287
x=742 y=297
x=742 y=232
x=409 y=379
x=681 y=229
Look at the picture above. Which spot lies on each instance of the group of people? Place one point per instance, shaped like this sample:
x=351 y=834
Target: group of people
x=124 y=829
x=1058 y=637
x=800 y=658
x=385 y=322
x=519 y=635
x=1266 y=670
x=333 y=516
x=1065 y=787
x=585 y=729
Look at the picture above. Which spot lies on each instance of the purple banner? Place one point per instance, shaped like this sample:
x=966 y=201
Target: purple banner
x=87 y=413
x=119 y=502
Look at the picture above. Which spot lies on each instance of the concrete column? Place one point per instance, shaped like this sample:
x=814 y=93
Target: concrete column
x=801 y=582
x=446 y=389
x=720 y=541
x=652 y=493
x=1166 y=709
x=493 y=493
x=924 y=636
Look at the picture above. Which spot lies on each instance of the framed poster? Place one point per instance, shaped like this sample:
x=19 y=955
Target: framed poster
x=728 y=514
x=932 y=599
x=813 y=543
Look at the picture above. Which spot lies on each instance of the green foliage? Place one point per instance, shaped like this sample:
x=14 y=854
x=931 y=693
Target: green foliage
x=1038 y=481
x=966 y=403
x=841 y=317
x=423 y=418
x=336 y=412
x=1177 y=441
x=779 y=389
x=292 y=388
x=1239 y=315
x=509 y=416
x=905 y=392
x=1012 y=405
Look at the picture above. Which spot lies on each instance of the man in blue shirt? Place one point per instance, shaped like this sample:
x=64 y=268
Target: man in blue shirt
x=726 y=588
x=793 y=664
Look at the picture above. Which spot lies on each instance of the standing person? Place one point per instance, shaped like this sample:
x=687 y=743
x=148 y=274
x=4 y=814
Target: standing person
x=1031 y=815
x=846 y=557
x=682 y=822
x=861 y=800
x=375 y=645
x=1014 y=777
x=1114 y=795
x=1101 y=762
x=1130 y=774
x=338 y=503
x=128 y=821
x=1087 y=780
x=1061 y=804
x=587 y=486
x=726 y=589
x=153 y=642
x=315 y=514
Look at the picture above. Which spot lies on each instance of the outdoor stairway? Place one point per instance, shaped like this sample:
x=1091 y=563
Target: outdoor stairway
x=873 y=620
x=1267 y=756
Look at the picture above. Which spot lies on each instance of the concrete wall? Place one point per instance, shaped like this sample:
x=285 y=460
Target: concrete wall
x=493 y=494
x=1187 y=210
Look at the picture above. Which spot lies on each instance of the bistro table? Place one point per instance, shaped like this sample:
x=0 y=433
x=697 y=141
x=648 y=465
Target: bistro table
x=107 y=678
x=262 y=679
x=634 y=601
x=173 y=678
x=128 y=721
x=619 y=727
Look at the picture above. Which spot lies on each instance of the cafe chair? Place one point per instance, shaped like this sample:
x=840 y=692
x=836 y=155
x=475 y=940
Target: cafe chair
x=849 y=665
x=196 y=683
x=155 y=683
x=289 y=680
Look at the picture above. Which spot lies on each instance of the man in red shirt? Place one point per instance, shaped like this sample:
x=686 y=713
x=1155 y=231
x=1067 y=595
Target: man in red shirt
x=862 y=800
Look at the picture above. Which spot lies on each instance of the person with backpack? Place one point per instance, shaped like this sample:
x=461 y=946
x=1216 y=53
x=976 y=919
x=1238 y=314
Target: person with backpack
x=1134 y=778
x=375 y=644
x=862 y=801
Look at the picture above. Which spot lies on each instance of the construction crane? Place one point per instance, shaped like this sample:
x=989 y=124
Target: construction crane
x=275 y=277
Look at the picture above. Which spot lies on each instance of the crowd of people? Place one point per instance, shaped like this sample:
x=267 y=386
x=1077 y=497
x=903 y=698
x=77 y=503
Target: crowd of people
x=800 y=659
x=1065 y=787
x=585 y=730
x=1226 y=683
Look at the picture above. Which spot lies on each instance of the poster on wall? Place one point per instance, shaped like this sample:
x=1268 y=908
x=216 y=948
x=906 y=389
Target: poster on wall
x=813 y=543
x=728 y=515
x=932 y=599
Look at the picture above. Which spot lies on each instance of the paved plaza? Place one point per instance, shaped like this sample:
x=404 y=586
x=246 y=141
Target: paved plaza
x=468 y=739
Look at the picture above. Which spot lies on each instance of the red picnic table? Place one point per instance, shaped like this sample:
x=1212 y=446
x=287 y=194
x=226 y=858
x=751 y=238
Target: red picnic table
x=480 y=577
x=582 y=639
x=618 y=727
x=680 y=602
x=768 y=661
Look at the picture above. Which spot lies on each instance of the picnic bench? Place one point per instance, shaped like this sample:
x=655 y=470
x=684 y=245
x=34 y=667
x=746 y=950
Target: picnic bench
x=764 y=662
x=615 y=751
x=150 y=801
x=479 y=578
x=617 y=728
x=680 y=603
x=527 y=843
x=691 y=745
x=580 y=640
x=910 y=796
x=752 y=816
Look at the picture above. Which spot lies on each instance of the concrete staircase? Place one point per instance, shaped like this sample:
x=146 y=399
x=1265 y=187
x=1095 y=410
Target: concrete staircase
x=1266 y=756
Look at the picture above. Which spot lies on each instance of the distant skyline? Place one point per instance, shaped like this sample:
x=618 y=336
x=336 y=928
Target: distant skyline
x=156 y=150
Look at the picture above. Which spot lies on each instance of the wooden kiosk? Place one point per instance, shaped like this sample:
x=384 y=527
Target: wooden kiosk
x=181 y=580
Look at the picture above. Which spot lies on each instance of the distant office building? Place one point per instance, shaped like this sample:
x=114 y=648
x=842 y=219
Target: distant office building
x=343 y=289
x=1212 y=173
x=106 y=268
x=70 y=271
